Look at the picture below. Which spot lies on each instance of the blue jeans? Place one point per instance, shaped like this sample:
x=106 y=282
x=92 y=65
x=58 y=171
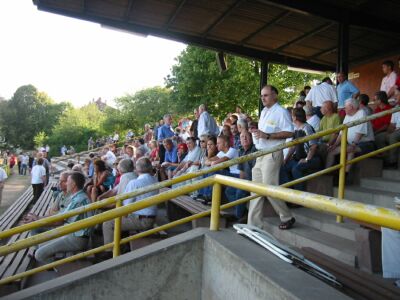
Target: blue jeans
x=294 y=170
x=233 y=194
x=206 y=192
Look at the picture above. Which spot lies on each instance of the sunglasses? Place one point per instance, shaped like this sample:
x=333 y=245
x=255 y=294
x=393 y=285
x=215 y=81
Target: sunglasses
x=202 y=141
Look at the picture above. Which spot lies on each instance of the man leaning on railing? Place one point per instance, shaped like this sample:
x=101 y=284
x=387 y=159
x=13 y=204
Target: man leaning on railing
x=78 y=240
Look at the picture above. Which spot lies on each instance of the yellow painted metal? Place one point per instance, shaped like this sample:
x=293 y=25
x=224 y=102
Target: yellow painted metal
x=117 y=232
x=215 y=207
x=105 y=216
x=362 y=212
x=342 y=170
x=123 y=241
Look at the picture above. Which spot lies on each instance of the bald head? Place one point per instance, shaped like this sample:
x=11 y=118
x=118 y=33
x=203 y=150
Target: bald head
x=327 y=108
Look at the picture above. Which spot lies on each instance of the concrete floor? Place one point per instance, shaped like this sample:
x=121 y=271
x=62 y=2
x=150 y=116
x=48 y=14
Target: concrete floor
x=14 y=186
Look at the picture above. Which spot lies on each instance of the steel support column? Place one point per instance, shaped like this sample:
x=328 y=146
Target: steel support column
x=343 y=48
x=263 y=81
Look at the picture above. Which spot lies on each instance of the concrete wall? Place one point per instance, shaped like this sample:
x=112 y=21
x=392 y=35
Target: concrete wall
x=196 y=265
x=370 y=75
x=236 y=268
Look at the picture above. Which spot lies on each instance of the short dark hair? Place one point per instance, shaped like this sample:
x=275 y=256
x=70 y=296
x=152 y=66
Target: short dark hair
x=101 y=165
x=191 y=138
x=382 y=96
x=78 y=178
x=224 y=138
x=141 y=141
x=364 y=99
x=327 y=79
x=307 y=87
x=300 y=114
x=388 y=63
x=40 y=161
x=212 y=138
x=274 y=89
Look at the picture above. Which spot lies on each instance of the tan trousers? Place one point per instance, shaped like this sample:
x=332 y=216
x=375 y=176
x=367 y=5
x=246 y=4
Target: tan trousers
x=266 y=170
x=1 y=191
x=131 y=222
x=384 y=139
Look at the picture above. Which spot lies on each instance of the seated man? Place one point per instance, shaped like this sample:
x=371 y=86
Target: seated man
x=301 y=158
x=170 y=159
x=186 y=165
x=312 y=118
x=360 y=138
x=329 y=120
x=391 y=136
x=245 y=168
x=139 y=220
x=75 y=241
x=381 y=124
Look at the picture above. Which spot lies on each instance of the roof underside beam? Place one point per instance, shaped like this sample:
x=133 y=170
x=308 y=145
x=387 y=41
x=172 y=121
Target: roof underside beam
x=337 y=14
x=175 y=14
x=196 y=40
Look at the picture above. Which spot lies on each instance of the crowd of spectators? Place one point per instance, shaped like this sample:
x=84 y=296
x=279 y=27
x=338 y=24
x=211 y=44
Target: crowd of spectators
x=164 y=152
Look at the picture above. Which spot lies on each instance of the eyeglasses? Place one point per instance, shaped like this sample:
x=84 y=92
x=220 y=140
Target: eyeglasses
x=202 y=141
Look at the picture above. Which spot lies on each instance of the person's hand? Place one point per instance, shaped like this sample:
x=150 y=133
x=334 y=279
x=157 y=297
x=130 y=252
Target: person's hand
x=165 y=164
x=331 y=147
x=302 y=161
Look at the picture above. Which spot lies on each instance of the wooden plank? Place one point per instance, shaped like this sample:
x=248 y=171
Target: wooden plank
x=364 y=285
x=8 y=259
x=17 y=259
x=14 y=206
x=14 y=214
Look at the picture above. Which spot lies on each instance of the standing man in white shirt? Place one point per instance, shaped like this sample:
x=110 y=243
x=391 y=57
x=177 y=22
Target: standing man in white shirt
x=3 y=177
x=389 y=81
x=325 y=91
x=109 y=157
x=274 y=127
x=38 y=179
x=207 y=124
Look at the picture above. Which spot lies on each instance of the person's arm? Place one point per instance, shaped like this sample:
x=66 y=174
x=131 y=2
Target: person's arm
x=336 y=143
x=289 y=155
x=101 y=178
x=219 y=160
x=282 y=135
x=310 y=154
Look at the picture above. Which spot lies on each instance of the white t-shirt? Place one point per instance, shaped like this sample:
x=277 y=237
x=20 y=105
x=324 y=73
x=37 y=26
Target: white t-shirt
x=110 y=158
x=3 y=175
x=396 y=119
x=322 y=93
x=365 y=128
x=231 y=154
x=388 y=82
x=25 y=159
x=37 y=174
x=193 y=155
x=314 y=122
x=272 y=120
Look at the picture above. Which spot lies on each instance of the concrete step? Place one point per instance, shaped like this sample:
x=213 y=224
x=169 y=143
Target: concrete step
x=391 y=174
x=302 y=235
x=369 y=196
x=325 y=222
x=381 y=184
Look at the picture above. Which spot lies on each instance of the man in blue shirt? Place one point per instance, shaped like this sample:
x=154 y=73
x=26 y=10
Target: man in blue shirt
x=345 y=89
x=140 y=220
x=78 y=240
x=165 y=131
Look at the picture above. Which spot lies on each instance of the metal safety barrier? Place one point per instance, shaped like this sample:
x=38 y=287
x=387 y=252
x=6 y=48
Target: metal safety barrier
x=342 y=208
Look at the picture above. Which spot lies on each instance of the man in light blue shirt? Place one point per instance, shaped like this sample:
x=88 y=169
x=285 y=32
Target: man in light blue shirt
x=165 y=131
x=139 y=220
x=346 y=90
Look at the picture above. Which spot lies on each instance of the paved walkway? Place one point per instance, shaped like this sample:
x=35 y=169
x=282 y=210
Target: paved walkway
x=13 y=188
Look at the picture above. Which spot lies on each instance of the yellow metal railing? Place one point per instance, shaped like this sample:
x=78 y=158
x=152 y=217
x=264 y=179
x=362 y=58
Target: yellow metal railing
x=354 y=210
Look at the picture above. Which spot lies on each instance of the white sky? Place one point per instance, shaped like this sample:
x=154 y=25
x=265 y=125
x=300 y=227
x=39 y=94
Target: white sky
x=73 y=60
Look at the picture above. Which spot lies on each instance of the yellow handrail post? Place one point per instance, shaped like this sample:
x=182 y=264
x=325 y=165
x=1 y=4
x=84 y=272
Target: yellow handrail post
x=342 y=171
x=117 y=232
x=215 y=207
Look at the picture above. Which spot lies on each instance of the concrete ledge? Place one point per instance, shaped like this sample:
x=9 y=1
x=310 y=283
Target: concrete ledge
x=369 y=253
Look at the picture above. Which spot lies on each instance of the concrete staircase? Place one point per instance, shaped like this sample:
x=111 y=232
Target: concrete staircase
x=320 y=230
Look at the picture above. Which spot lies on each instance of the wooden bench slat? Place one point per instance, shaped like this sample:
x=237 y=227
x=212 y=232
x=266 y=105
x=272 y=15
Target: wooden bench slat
x=8 y=259
x=14 y=206
x=10 y=219
x=17 y=259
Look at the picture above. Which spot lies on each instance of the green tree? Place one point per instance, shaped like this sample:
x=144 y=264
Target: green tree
x=196 y=79
x=145 y=106
x=76 y=126
x=26 y=114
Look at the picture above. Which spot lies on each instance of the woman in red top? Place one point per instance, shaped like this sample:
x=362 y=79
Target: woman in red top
x=382 y=123
x=154 y=151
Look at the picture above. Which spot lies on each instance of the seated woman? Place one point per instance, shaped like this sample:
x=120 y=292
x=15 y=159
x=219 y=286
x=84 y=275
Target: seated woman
x=78 y=240
x=102 y=181
x=302 y=157
x=182 y=152
x=153 y=156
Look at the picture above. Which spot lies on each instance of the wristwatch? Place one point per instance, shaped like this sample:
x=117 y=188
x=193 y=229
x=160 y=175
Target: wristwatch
x=268 y=136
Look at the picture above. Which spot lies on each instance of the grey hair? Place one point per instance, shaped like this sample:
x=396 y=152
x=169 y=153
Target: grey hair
x=125 y=165
x=308 y=110
x=167 y=116
x=243 y=124
x=203 y=107
x=141 y=150
x=353 y=102
x=143 y=165
x=65 y=174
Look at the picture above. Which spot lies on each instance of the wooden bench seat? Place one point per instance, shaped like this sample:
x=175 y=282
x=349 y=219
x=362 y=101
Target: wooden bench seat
x=18 y=262
x=183 y=206
x=11 y=216
x=356 y=284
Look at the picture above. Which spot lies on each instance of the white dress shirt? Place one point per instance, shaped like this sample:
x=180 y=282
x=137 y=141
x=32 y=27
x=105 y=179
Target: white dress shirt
x=207 y=125
x=322 y=93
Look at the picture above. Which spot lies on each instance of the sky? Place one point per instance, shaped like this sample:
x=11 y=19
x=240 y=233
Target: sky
x=76 y=61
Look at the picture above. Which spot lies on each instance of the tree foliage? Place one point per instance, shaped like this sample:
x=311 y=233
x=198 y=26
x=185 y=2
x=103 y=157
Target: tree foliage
x=76 y=126
x=196 y=79
x=26 y=114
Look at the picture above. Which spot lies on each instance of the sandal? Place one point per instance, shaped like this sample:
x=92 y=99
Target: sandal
x=287 y=224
